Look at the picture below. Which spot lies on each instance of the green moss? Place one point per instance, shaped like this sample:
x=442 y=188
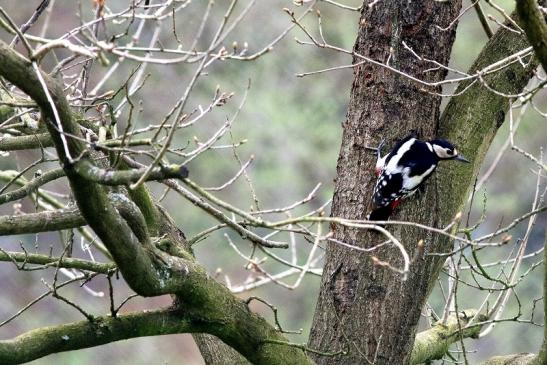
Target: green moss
x=5 y=112
x=433 y=344
x=472 y=119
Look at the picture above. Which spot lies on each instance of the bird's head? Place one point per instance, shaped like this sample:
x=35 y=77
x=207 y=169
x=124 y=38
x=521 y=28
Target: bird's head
x=446 y=150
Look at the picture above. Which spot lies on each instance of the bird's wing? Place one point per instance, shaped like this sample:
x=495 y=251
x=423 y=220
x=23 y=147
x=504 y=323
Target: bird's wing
x=419 y=175
x=388 y=188
x=396 y=148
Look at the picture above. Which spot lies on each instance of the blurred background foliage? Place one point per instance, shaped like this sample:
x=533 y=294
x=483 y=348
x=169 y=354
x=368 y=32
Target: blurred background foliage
x=291 y=126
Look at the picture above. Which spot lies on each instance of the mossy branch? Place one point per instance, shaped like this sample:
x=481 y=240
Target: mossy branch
x=66 y=262
x=55 y=220
x=47 y=340
x=433 y=343
x=533 y=23
x=472 y=119
x=31 y=186
x=134 y=261
x=91 y=172
x=47 y=221
x=25 y=142
x=515 y=359
x=42 y=140
x=210 y=306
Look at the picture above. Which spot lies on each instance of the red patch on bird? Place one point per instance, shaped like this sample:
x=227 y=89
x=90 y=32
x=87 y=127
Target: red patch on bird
x=395 y=203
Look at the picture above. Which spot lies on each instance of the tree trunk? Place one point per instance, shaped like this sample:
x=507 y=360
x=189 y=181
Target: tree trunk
x=368 y=309
x=364 y=308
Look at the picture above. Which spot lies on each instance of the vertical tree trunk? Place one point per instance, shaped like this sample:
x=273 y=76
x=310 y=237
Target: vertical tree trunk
x=365 y=308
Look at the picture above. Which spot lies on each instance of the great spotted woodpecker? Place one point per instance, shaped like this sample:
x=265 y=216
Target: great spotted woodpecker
x=402 y=171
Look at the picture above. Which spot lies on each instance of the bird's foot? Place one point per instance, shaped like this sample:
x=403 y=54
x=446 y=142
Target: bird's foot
x=377 y=150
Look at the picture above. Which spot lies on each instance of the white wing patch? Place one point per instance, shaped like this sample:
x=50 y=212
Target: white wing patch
x=393 y=164
x=411 y=183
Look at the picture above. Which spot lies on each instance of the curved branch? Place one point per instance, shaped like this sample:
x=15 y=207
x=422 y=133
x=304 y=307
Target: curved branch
x=31 y=186
x=210 y=305
x=134 y=262
x=132 y=215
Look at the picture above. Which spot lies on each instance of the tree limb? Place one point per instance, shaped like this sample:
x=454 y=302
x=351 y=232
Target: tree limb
x=42 y=140
x=215 y=352
x=44 y=341
x=433 y=343
x=91 y=172
x=516 y=359
x=31 y=186
x=25 y=142
x=148 y=271
x=472 y=119
x=55 y=220
x=533 y=23
x=47 y=221
x=66 y=262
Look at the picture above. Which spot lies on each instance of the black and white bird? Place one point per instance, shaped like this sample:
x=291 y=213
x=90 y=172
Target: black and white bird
x=402 y=171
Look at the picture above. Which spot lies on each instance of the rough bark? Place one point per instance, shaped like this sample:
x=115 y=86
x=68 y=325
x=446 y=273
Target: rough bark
x=367 y=308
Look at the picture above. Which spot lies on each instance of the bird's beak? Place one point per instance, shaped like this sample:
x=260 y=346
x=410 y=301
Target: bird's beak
x=461 y=158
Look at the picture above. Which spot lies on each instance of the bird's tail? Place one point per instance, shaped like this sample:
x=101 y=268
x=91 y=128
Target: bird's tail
x=380 y=214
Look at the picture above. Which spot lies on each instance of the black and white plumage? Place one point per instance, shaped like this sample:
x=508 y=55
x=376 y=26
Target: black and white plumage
x=402 y=171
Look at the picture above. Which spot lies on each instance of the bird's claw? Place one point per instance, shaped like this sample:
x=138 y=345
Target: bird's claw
x=380 y=146
x=377 y=150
